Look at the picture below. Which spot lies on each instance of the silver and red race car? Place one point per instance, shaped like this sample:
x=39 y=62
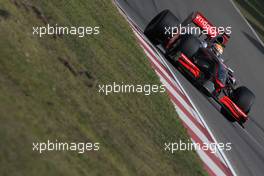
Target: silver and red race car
x=199 y=57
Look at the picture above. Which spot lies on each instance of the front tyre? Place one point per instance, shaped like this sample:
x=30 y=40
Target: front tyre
x=243 y=98
x=189 y=45
x=155 y=30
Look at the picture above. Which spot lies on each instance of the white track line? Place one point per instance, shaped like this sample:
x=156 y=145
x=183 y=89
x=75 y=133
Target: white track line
x=249 y=25
x=186 y=105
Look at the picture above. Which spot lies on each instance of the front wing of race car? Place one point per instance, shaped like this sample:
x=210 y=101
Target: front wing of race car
x=233 y=109
x=189 y=66
x=224 y=101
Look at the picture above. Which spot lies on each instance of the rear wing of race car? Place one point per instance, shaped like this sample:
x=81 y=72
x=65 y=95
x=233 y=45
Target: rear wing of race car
x=204 y=24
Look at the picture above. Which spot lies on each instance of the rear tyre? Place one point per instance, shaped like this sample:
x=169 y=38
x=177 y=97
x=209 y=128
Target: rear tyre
x=189 y=45
x=243 y=98
x=155 y=30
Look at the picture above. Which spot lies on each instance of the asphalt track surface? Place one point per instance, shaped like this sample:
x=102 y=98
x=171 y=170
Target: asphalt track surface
x=245 y=56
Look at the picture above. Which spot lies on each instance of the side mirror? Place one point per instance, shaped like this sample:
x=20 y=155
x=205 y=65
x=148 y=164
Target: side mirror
x=230 y=70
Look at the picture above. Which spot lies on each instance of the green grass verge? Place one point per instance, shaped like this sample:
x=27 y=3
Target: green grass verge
x=41 y=98
x=253 y=10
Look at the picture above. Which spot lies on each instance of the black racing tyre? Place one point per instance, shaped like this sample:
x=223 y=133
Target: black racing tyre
x=189 y=19
x=155 y=30
x=243 y=98
x=189 y=45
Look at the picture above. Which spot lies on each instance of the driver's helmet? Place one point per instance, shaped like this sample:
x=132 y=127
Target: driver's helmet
x=218 y=49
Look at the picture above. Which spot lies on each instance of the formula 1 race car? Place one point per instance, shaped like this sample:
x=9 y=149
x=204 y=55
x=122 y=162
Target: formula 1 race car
x=199 y=56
